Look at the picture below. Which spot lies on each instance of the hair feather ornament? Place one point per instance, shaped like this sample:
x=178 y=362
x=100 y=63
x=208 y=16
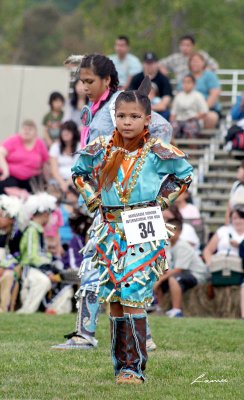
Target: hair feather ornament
x=10 y=205
x=37 y=203
x=145 y=87
x=73 y=60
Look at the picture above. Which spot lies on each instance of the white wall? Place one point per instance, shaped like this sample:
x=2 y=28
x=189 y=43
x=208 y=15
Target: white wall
x=24 y=93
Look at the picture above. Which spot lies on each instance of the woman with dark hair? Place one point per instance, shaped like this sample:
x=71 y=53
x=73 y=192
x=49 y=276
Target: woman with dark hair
x=74 y=106
x=100 y=83
x=227 y=238
x=62 y=154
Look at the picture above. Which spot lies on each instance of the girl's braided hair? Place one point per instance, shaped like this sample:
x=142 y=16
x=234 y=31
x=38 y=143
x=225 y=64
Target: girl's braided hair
x=103 y=67
x=137 y=96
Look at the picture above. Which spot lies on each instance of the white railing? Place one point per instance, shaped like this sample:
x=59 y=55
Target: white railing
x=232 y=83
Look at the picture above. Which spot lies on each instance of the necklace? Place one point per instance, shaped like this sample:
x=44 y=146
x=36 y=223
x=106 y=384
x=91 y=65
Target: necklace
x=125 y=197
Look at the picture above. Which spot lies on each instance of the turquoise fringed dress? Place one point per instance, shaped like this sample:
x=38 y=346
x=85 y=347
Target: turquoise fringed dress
x=128 y=273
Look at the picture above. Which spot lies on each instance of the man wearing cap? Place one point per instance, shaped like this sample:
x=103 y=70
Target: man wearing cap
x=126 y=64
x=151 y=68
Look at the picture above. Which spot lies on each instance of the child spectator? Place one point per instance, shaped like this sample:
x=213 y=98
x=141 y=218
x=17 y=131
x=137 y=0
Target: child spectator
x=187 y=270
x=52 y=120
x=188 y=110
x=38 y=270
x=10 y=237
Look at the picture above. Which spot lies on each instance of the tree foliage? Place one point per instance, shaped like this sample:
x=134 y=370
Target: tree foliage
x=11 y=23
x=48 y=31
x=39 y=39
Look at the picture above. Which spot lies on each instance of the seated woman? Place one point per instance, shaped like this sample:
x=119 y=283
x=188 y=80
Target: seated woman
x=62 y=154
x=208 y=84
x=22 y=158
x=227 y=238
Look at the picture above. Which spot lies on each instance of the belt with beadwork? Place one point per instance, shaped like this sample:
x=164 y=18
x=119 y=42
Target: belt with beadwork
x=113 y=214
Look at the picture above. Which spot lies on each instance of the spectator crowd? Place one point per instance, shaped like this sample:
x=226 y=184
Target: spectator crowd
x=43 y=224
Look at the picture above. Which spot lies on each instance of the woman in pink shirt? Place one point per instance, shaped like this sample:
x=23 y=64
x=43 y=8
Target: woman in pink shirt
x=22 y=157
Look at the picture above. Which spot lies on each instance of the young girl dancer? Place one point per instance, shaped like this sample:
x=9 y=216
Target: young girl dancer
x=100 y=81
x=130 y=171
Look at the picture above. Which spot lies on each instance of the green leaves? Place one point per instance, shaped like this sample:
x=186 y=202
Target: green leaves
x=45 y=33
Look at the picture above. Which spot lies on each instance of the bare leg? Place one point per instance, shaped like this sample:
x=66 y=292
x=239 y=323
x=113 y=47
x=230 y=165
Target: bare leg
x=211 y=120
x=6 y=283
x=175 y=292
x=159 y=295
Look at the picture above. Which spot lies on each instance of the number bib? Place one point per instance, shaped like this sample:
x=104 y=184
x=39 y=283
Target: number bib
x=144 y=225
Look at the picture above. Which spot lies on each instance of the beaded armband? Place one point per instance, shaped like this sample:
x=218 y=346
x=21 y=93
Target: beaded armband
x=171 y=188
x=88 y=191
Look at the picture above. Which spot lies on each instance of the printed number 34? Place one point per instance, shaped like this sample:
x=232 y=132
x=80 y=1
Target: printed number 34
x=146 y=229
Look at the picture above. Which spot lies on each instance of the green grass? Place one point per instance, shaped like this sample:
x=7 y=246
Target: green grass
x=187 y=348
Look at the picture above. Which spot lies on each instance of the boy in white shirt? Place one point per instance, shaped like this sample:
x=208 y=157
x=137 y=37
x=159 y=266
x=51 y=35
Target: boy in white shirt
x=188 y=109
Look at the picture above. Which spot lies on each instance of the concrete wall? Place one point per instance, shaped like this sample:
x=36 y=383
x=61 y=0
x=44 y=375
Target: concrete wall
x=24 y=94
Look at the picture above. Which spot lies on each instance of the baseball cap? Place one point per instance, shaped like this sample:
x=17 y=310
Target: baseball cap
x=150 y=57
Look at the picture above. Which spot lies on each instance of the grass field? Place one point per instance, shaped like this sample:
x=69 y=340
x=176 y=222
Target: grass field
x=187 y=348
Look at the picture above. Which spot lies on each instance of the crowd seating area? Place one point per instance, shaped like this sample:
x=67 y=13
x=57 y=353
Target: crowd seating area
x=214 y=166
